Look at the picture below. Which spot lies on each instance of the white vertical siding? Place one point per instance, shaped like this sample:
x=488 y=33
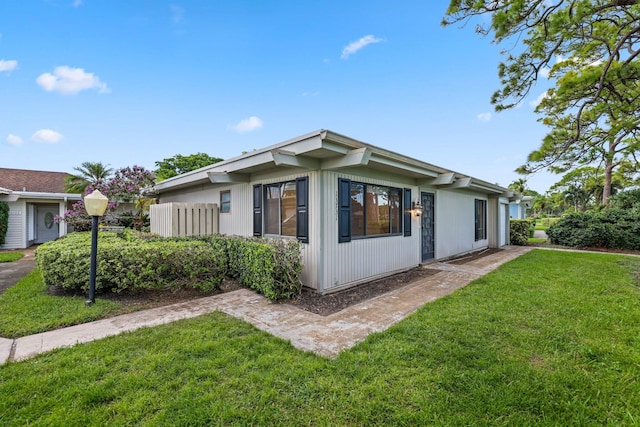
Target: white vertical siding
x=16 y=237
x=344 y=264
x=184 y=219
x=455 y=223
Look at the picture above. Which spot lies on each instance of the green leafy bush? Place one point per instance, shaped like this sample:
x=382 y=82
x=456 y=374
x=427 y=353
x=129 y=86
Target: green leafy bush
x=130 y=263
x=519 y=231
x=612 y=228
x=4 y=221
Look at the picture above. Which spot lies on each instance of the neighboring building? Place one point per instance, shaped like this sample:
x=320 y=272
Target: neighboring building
x=35 y=198
x=361 y=212
x=518 y=207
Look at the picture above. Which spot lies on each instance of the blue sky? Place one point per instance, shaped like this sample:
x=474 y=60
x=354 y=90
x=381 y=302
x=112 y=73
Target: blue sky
x=128 y=82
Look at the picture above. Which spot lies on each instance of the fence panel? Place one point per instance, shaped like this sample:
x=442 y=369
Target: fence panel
x=184 y=219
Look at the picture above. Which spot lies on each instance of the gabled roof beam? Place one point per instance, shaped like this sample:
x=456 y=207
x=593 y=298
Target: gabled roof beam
x=442 y=179
x=227 y=178
x=288 y=158
x=460 y=183
x=357 y=157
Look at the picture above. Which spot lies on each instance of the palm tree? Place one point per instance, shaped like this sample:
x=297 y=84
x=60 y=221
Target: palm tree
x=89 y=174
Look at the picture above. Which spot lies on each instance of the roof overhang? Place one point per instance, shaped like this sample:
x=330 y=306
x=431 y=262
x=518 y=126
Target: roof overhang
x=323 y=150
x=16 y=195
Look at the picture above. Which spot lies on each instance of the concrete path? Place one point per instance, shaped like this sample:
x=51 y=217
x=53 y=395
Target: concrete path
x=324 y=335
x=11 y=272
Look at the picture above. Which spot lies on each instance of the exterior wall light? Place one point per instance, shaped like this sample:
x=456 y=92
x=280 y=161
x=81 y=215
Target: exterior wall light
x=416 y=208
x=95 y=204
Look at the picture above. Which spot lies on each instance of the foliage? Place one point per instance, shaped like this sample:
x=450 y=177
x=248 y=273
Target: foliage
x=612 y=228
x=129 y=263
x=519 y=231
x=595 y=95
x=10 y=256
x=547 y=222
x=626 y=199
x=126 y=185
x=89 y=173
x=269 y=266
x=556 y=346
x=27 y=308
x=180 y=164
x=4 y=221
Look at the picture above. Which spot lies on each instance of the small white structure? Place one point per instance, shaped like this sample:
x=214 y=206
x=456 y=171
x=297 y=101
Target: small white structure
x=34 y=198
x=361 y=212
x=518 y=207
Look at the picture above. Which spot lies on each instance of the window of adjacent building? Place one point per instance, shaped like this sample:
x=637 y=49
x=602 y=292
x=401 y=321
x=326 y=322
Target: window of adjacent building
x=281 y=209
x=481 y=219
x=225 y=201
x=368 y=210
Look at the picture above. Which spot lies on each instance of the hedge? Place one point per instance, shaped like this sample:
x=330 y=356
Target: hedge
x=4 y=221
x=611 y=228
x=519 y=231
x=133 y=261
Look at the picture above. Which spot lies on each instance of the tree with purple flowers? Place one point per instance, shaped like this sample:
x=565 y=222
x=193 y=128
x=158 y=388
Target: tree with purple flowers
x=125 y=187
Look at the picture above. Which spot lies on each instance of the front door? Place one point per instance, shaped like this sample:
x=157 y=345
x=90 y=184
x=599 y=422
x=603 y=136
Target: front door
x=46 y=228
x=428 y=227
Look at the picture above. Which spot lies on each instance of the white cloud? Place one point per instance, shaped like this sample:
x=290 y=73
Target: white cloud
x=8 y=65
x=248 y=125
x=14 y=139
x=316 y=93
x=177 y=14
x=353 y=47
x=538 y=100
x=484 y=117
x=69 y=80
x=544 y=72
x=77 y=3
x=47 y=136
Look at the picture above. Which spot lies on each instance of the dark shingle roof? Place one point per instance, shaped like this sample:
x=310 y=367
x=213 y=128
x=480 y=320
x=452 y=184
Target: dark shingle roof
x=32 y=181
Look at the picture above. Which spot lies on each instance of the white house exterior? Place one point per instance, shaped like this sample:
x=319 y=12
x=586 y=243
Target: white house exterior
x=34 y=199
x=518 y=207
x=361 y=212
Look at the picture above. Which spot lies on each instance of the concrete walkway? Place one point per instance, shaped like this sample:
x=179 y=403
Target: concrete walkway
x=324 y=335
x=11 y=272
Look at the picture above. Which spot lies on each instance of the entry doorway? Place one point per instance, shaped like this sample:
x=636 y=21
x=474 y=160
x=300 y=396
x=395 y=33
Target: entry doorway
x=427 y=222
x=46 y=229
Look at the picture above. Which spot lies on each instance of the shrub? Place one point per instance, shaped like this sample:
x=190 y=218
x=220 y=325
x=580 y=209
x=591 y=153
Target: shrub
x=611 y=228
x=4 y=221
x=130 y=263
x=519 y=231
x=548 y=222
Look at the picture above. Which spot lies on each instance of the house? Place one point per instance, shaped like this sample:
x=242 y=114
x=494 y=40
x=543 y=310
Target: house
x=360 y=211
x=518 y=207
x=35 y=198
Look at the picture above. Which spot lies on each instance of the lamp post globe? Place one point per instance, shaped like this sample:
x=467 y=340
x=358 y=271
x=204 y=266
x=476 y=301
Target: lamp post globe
x=95 y=204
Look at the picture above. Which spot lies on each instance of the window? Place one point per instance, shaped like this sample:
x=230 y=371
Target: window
x=281 y=209
x=225 y=201
x=481 y=219
x=367 y=210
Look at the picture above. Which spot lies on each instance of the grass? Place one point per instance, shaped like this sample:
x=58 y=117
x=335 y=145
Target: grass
x=537 y=240
x=27 y=308
x=551 y=338
x=10 y=256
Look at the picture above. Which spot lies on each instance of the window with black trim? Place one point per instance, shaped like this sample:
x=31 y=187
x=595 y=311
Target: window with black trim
x=368 y=210
x=481 y=219
x=225 y=201
x=281 y=209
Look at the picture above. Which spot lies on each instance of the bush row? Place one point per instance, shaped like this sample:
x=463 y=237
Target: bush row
x=4 y=221
x=519 y=231
x=135 y=261
x=612 y=228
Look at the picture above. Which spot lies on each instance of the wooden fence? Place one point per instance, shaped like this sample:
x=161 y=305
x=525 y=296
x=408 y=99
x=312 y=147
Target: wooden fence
x=184 y=219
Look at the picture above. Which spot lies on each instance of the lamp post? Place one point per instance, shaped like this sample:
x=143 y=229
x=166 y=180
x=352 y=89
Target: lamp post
x=95 y=204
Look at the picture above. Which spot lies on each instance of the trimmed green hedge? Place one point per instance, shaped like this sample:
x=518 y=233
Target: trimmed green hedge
x=132 y=261
x=611 y=228
x=519 y=231
x=4 y=221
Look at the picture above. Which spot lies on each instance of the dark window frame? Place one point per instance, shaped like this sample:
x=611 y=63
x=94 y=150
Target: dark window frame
x=301 y=186
x=225 y=203
x=480 y=217
x=345 y=219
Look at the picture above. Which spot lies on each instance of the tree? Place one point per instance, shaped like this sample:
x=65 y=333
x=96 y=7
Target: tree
x=180 y=164
x=595 y=45
x=89 y=174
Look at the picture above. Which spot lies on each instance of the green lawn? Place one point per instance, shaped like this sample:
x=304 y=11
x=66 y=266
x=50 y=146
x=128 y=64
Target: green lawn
x=552 y=338
x=10 y=256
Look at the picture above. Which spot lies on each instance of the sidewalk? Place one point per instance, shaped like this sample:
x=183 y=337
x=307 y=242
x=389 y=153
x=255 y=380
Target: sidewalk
x=324 y=335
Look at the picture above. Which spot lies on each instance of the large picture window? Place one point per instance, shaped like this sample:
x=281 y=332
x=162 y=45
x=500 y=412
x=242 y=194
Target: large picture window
x=281 y=209
x=481 y=219
x=368 y=210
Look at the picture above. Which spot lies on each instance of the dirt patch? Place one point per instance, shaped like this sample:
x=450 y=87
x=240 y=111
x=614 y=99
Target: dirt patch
x=325 y=305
